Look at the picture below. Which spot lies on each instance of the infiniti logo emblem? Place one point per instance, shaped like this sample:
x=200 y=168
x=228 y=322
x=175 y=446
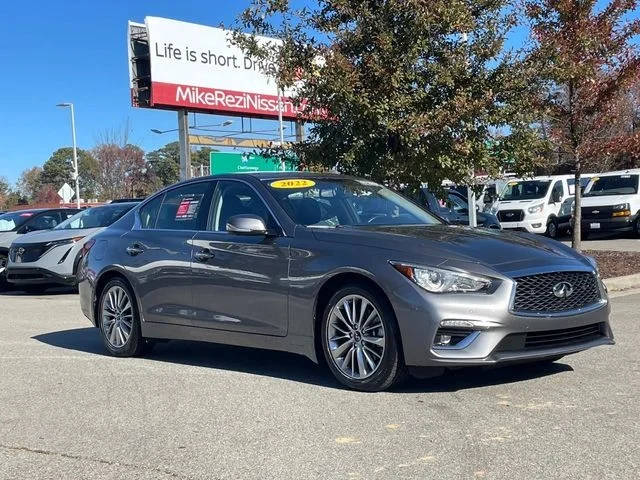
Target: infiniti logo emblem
x=563 y=289
x=20 y=251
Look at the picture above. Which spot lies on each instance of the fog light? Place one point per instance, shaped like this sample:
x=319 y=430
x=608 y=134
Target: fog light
x=442 y=340
x=536 y=225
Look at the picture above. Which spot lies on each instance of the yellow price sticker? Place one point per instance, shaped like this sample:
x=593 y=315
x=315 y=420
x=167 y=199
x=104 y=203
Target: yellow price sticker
x=595 y=179
x=292 y=183
x=511 y=184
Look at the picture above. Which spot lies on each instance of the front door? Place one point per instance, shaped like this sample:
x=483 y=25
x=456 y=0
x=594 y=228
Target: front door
x=240 y=281
x=160 y=247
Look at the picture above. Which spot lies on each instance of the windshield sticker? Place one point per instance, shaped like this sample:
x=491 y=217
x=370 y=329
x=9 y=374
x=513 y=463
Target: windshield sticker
x=188 y=208
x=595 y=179
x=511 y=184
x=625 y=176
x=28 y=214
x=292 y=183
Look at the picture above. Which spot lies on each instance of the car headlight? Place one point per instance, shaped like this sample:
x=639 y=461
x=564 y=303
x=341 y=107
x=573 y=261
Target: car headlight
x=620 y=206
x=66 y=241
x=536 y=208
x=438 y=280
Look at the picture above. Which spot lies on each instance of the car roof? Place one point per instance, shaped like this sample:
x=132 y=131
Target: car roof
x=268 y=176
x=632 y=171
x=40 y=210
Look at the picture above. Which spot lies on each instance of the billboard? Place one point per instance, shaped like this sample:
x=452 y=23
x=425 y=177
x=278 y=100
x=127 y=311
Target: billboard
x=227 y=162
x=196 y=67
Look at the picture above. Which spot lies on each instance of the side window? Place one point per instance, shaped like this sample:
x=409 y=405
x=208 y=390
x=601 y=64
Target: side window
x=64 y=214
x=236 y=198
x=149 y=212
x=184 y=207
x=44 y=222
x=557 y=192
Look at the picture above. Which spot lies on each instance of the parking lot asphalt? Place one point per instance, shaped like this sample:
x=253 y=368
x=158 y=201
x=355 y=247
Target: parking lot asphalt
x=191 y=411
x=610 y=242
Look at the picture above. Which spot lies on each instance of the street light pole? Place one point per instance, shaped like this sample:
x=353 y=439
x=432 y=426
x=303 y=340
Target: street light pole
x=76 y=176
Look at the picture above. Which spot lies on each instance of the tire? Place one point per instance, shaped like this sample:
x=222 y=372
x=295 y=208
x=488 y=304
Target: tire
x=636 y=227
x=366 y=365
x=552 y=228
x=115 y=313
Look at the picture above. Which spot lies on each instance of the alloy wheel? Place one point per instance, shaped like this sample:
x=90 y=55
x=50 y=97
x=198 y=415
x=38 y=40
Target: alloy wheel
x=355 y=337
x=117 y=316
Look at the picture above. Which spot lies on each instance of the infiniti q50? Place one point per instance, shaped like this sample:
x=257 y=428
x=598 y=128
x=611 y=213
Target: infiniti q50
x=341 y=270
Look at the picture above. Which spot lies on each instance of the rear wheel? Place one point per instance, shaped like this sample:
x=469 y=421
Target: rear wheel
x=119 y=320
x=359 y=341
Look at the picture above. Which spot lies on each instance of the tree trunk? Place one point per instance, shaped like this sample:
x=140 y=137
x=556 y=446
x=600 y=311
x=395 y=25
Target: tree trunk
x=577 y=209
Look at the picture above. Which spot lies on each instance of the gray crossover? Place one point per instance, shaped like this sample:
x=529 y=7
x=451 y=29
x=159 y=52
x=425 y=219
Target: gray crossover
x=338 y=269
x=48 y=257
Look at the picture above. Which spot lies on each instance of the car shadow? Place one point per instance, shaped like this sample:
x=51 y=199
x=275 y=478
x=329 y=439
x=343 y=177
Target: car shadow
x=50 y=291
x=294 y=367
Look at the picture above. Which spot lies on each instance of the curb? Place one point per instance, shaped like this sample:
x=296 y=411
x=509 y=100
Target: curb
x=626 y=282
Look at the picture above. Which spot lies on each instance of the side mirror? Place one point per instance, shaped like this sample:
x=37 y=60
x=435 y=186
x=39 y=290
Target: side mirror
x=246 y=224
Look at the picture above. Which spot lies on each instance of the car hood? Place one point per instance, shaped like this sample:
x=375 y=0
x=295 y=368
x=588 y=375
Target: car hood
x=606 y=200
x=56 y=235
x=6 y=238
x=505 y=252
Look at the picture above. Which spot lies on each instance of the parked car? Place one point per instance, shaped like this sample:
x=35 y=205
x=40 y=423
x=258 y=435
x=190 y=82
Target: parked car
x=338 y=268
x=532 y=205
x=455 y=209
x=14 y=225
x=50 y=257
x=611 y=202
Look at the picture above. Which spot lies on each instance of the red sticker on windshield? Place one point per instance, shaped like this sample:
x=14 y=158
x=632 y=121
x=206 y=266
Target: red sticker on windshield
x=27 y=214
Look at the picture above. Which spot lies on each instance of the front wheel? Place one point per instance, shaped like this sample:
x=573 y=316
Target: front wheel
x=120 y=321
x=359 y=341
x=552 y=228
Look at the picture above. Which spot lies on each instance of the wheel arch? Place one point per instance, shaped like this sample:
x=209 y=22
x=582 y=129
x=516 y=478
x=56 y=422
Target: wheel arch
x=104 y=278
x=334 y=283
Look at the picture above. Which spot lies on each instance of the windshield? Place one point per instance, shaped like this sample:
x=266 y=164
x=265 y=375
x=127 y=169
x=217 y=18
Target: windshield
x=95 y=217
x=612 y=185
x=338 y=202
x=13 y=220
x=525 y=190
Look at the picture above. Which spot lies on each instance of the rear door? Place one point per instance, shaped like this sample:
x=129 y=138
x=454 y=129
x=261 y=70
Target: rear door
x=243 y=284
x=158 y=251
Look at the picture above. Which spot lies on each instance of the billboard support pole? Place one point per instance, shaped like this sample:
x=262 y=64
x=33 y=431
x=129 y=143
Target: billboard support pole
x=299 y=131
x=183 y=140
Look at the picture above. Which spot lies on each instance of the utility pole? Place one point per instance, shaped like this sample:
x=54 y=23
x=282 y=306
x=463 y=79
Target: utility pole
x=76 y=176
x=183 y=140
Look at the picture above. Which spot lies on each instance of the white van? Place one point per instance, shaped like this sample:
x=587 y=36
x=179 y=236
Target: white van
x=532 y=204
x=611 y=202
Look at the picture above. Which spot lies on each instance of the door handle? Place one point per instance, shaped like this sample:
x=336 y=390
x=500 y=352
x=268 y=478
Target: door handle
x=203 y=255
x=134 y=249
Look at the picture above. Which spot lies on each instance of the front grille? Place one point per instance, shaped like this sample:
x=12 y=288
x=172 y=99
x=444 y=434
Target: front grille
x=535 y=293
x=565 y=337
x=596 y=213
x=511 y=215
x=29 y=252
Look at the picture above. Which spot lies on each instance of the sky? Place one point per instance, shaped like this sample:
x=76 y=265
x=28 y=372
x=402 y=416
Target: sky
x=76 y=51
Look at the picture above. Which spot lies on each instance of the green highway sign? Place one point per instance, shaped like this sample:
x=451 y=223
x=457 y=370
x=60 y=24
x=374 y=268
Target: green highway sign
x=225 y=162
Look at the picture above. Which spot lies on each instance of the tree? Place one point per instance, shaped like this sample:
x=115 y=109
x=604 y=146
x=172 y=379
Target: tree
x=588 y=63
x=59 y=170
x=30 y=183
x=165 y=162
x=403 y=91
x=121 y=171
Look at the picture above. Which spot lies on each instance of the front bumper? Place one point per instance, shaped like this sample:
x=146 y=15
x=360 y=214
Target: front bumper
x=613 y=224
x=536 y=225
x=37 y=276
x=499 y=335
